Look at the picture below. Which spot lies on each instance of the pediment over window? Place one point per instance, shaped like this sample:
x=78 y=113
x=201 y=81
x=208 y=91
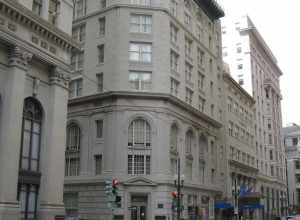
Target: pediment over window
x=139 y=181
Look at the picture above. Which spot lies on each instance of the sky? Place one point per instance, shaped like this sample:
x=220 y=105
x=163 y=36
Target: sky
x=278 y=22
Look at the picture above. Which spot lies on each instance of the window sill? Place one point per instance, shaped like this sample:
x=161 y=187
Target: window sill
x=140 y=63
x=100 y=64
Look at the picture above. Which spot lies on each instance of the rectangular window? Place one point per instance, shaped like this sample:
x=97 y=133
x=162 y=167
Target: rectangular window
x=174 y=7
x=28 y=196
x=75 y=87
x=174 y=87
x=297 y=164
x=140 y=52
x=201 y=58
x=37 y=7
x=211 y=88
x=174 y=61
x=102 y=4
x=271 y=155
x=141 y=24
x=213 y=173
x=102 y=26
x=77 y=61
x=201 y=79
x=100 y=82
x=188 y=96
x=295 y=141
x=230 y=129
x=188 y=72
x=139 y=164
x=187 y=19
x=71 y=203
x=140 y=80
x=141 y=2
x=53 y=11
x=188 y=47
x=210 y=65
x=72 y=166
x=270 y=139
x=173 y=33
x=80 y=8
x=201 y=104
x=78 y=33
x=98 y=164
x=212 y=110
x=99 y=128
x=101 y=53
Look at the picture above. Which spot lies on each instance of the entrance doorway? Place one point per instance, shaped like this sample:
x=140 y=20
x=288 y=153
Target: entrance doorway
x=139 y=207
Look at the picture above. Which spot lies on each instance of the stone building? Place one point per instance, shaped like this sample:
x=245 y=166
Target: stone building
x=238 y=132
x=35 y=48
x=255 y=68
x=291 y=136
x=145 y=92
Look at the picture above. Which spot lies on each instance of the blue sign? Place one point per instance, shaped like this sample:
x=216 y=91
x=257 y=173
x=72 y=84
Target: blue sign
x=72 y=218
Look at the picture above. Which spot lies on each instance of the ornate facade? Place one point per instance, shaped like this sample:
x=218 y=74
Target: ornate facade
x=34 y=70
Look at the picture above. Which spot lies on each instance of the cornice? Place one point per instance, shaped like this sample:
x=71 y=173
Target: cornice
x=146 y=95
x=21 y=14
x=211 y=8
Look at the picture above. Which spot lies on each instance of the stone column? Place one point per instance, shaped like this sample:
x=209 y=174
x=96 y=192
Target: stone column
x=10 y=136
x=53 y=154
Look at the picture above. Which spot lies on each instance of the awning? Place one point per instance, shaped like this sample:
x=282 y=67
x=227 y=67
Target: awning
x=223 y=205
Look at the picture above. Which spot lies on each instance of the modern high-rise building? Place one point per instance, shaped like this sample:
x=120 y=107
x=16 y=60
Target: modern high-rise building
x=291 y=135
x=145 y=93
x=255 y=68
x=35 y=49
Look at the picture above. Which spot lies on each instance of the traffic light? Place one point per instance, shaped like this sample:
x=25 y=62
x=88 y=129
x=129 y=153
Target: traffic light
x=111 y=190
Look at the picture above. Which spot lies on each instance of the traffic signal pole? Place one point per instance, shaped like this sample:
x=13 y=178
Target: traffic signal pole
x=178 y=190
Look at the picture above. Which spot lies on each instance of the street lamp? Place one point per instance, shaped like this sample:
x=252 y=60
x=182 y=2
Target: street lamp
x=235 y=194
x=178 y=182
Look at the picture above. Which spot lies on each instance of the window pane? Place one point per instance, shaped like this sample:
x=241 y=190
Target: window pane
x=34 y=165
x=35 y=146
x=26 y=144
x=32 y=202
x=130 y=164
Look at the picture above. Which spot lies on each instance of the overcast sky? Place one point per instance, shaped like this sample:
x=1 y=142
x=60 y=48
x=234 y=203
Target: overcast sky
x=278 y=22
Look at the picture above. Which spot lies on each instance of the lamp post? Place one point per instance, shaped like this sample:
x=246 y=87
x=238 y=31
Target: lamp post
x=178 y=184
x=236 y=193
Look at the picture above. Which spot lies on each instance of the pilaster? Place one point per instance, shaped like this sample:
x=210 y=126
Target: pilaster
x=51 y=191
x=10 y=136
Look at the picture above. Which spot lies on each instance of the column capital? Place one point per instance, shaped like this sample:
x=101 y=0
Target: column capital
x=19 y=57
x=59 y=77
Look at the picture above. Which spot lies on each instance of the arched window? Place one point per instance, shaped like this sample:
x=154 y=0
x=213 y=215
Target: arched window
x=139 y=147
x=72 y=166
x=174 y=137
x=30 y=156
x=139 y=134
x=203 y=144
x=31 y=135
x=189 y=141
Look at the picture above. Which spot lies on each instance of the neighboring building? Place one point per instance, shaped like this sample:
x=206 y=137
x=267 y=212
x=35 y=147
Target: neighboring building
x=239 y=111
x=147 y=91
x=35 y=47
x=255 y=68
x=291 y=135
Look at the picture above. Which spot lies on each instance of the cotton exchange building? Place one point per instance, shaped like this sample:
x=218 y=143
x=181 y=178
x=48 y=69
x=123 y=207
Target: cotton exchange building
x=34 y=54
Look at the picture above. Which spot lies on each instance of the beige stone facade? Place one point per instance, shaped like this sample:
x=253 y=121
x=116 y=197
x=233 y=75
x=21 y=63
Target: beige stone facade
x=147 y=91
x=34 y=66
x=254 y=67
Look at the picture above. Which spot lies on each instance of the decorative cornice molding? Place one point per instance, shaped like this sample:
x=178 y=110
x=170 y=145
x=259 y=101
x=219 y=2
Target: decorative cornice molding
x=59 y=77
x=19 y=57
x=21 y=14
x=148 y=96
